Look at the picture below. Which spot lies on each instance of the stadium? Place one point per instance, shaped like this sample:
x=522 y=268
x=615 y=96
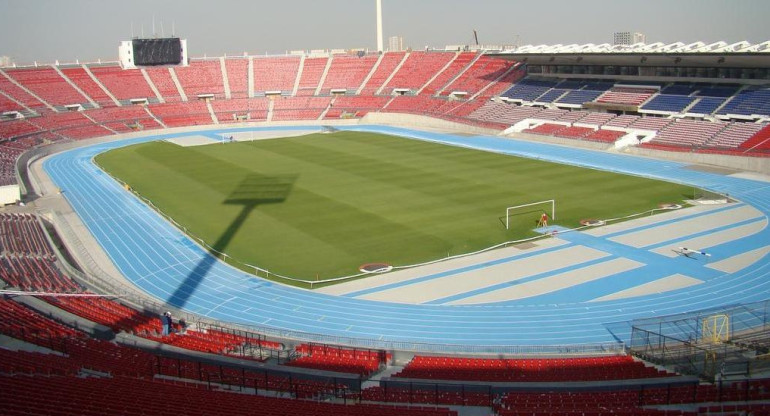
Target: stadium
x=469 y=230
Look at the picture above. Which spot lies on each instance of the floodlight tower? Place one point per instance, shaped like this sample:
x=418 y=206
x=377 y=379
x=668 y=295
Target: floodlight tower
x=379 y=26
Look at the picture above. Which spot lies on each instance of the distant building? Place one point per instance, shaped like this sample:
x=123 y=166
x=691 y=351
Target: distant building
x=395 y=44
x=629 y=38
x=5 y=61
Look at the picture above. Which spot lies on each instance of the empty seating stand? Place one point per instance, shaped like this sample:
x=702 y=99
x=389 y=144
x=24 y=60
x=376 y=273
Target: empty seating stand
x=240 y=109
x=161 y=78
x=325 y=357
x=482 y=73
x=79 y=77
x=627 y=96
x=749 y=102
x=347 y=72
x=47 y=84
x=124 y=84
x=312 y=71
x=238 y=77
x=418 y=68
x=668 y=103
x=529 y=89
x=459 y=63
x=387 y=65
x=529 y=370
x=201 y=77
x=275 y=74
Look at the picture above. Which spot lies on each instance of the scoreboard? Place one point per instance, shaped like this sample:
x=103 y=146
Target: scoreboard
x=156 y=51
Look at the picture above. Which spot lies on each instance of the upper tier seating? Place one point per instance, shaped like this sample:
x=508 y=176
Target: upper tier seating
x=388 y=63
x=18 y=94
x=418 y=69
x=80 y=77
x=462 y=60
x=312 y=70
x=6 y=104
x=529 y=370
x=680 y=89
x=275 y=74
x=47 y=84
x=481 y=74
x=503 y=84
x=668 y=103
x=551 y=95
x=529 y=89
x=347 y=72
x=201 y=77
x=717 y=91
x=749 y=102
x=238 y=77
x=123 y=84
x=161 y=78
x=706 y=105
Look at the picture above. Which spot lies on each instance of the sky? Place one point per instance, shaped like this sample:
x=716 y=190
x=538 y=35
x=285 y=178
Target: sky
x=45 y=31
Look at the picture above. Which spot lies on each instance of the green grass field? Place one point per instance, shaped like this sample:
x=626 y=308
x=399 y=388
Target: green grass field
x=321 y=205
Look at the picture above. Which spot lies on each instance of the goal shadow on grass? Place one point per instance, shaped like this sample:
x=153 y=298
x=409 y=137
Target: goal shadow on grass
x=254 y=190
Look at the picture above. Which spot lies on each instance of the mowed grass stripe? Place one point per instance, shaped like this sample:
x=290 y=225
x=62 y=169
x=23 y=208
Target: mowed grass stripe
x=319 y=206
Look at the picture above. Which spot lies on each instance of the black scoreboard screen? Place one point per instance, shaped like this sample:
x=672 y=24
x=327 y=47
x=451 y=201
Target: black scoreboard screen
x=166 y=51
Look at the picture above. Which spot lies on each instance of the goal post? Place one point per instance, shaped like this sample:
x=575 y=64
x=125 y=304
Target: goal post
x=551 y=202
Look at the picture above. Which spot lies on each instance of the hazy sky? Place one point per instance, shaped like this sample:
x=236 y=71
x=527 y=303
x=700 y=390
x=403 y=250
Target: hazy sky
x=47 y=30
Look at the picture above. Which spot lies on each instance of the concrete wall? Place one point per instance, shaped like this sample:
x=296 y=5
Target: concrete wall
x=9 y=194
x=738 y=163
x=423 y=122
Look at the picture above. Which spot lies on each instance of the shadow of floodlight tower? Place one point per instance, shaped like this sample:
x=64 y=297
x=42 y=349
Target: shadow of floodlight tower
x=254 y=190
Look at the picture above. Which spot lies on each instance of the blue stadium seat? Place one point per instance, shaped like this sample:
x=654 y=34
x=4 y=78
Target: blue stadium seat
x=666 y=102
x=706 y=105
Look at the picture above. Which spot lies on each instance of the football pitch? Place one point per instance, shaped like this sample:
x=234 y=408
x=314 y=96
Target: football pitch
x=320 y=206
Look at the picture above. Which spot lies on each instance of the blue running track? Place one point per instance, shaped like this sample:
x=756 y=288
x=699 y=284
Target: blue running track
x=164 y=263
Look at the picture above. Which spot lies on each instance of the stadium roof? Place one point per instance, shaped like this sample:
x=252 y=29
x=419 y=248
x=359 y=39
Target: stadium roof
x=659 y=47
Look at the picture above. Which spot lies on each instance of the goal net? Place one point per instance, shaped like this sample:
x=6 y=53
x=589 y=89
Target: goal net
x=527 y=209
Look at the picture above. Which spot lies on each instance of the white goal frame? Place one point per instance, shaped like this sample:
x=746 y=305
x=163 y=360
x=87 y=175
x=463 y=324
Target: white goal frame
x=508 y=210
